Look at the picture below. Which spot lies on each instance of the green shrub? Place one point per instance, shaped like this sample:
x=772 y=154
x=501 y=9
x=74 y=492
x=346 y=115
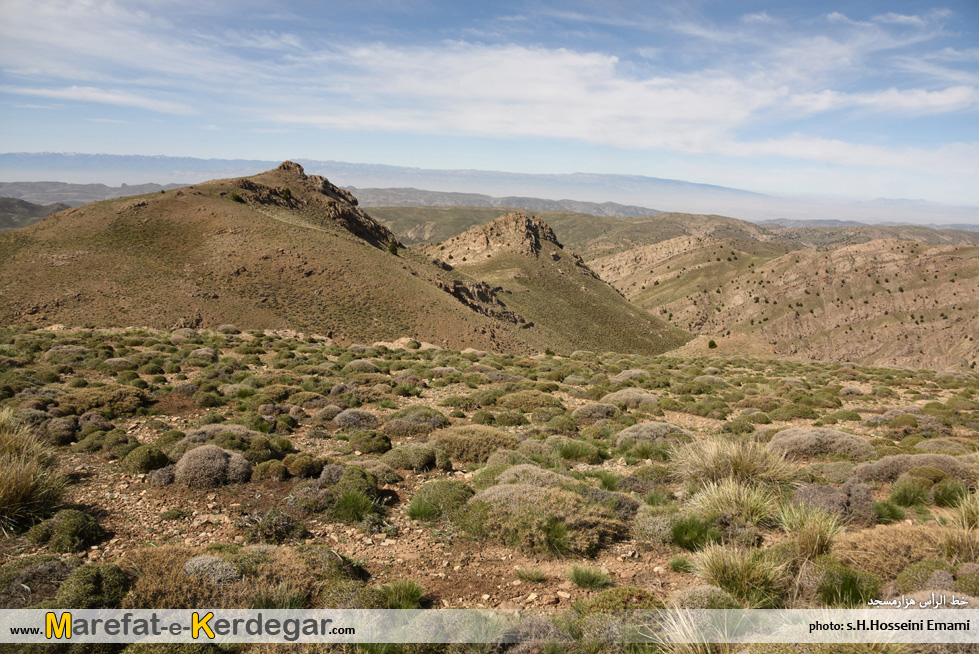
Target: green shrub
x=693 y=533
x=411 y=457
x=909 y=492
x=844 y=587
x=442 y=497
x=681 y=564
x=145 y=458
x=888 y=512
x=370 y=442
x=110 y=400
x=208 y=466
x=271 y=469
x=352 y=506
x=69 y=530
x=587 y=577
x=303 y=465
x=403 y=594
x=93 y=587
x=811 y=528
x=949 y=492
x=916 y=576
x=472 y=443
x=532 y=575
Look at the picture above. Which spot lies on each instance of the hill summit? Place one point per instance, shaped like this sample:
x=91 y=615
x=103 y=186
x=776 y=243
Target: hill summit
x=314 y=198
x=287 y=250
x=514 y=232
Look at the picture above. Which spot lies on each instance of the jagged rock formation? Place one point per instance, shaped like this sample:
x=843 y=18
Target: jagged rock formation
x=315 y=198
x=481 y=298
x=513 y=232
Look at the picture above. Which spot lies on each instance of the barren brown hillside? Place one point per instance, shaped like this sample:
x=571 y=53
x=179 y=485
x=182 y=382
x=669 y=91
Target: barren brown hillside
x=281 y=249
x=882 y=302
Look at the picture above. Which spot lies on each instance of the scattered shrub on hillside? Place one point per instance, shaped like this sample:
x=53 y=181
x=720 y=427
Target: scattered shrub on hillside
x=403 y=594
x=370 y=442
x=472 y=443
x=888 y=512
x=69 y=530
x=594 y=412
x=355 y=419
x=693 y=533
x=754 y=505
x=144 y=459
x=587 y=577
x=852 y=501
x=948 y=492
x=630 y=398
x=811 y=529
x=909 y=492
x=208 y=466
x=274 y=526
x=411 y=457
x=93 y=587
x=111 y=400
x=704 y=597
x=799 y=442
x=843 y=587
x=918 y=575
x=540 y=520
x=889 y=468
x=439 y=498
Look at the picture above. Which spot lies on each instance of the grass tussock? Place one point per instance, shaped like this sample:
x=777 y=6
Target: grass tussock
x=750 y=576
x=752 y=504
x=812 y=529
x=588 y=577
x=715 y=460
x=30 y=487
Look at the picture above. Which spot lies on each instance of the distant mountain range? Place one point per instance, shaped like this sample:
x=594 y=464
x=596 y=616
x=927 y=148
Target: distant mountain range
x=637 y=190
x=412 y=197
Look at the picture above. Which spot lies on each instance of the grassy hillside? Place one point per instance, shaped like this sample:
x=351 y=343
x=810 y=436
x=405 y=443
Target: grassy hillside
x=276 y=250
x=569 y=304
x=886 y=302
x=16 y=213
x=832 y=237
x=591 y=236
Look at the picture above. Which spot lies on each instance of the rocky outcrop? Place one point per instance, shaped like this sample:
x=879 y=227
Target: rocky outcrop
x=513 y=232
x=481 y=298
x=319 y=202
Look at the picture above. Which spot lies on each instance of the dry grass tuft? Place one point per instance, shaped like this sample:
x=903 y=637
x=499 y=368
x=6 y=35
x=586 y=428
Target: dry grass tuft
x=30 y=487
x=717 y=459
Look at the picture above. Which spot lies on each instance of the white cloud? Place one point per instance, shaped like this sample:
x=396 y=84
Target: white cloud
x=900 y=19
x=671 y=96
x=893 y=100
x=757 y=17
x=102 y=96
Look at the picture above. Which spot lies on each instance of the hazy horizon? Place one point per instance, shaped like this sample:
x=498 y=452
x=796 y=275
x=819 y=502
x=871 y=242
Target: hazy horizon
x=876 y=100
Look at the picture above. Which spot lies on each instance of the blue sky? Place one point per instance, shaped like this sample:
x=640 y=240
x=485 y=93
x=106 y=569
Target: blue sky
x=860 y=99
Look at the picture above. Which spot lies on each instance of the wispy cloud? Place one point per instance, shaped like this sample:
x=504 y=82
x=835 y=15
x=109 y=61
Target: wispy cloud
x=666 y=78
x=102 y=96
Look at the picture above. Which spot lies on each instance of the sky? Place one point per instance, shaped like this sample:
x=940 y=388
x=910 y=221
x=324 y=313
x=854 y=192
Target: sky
x=862 y=99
